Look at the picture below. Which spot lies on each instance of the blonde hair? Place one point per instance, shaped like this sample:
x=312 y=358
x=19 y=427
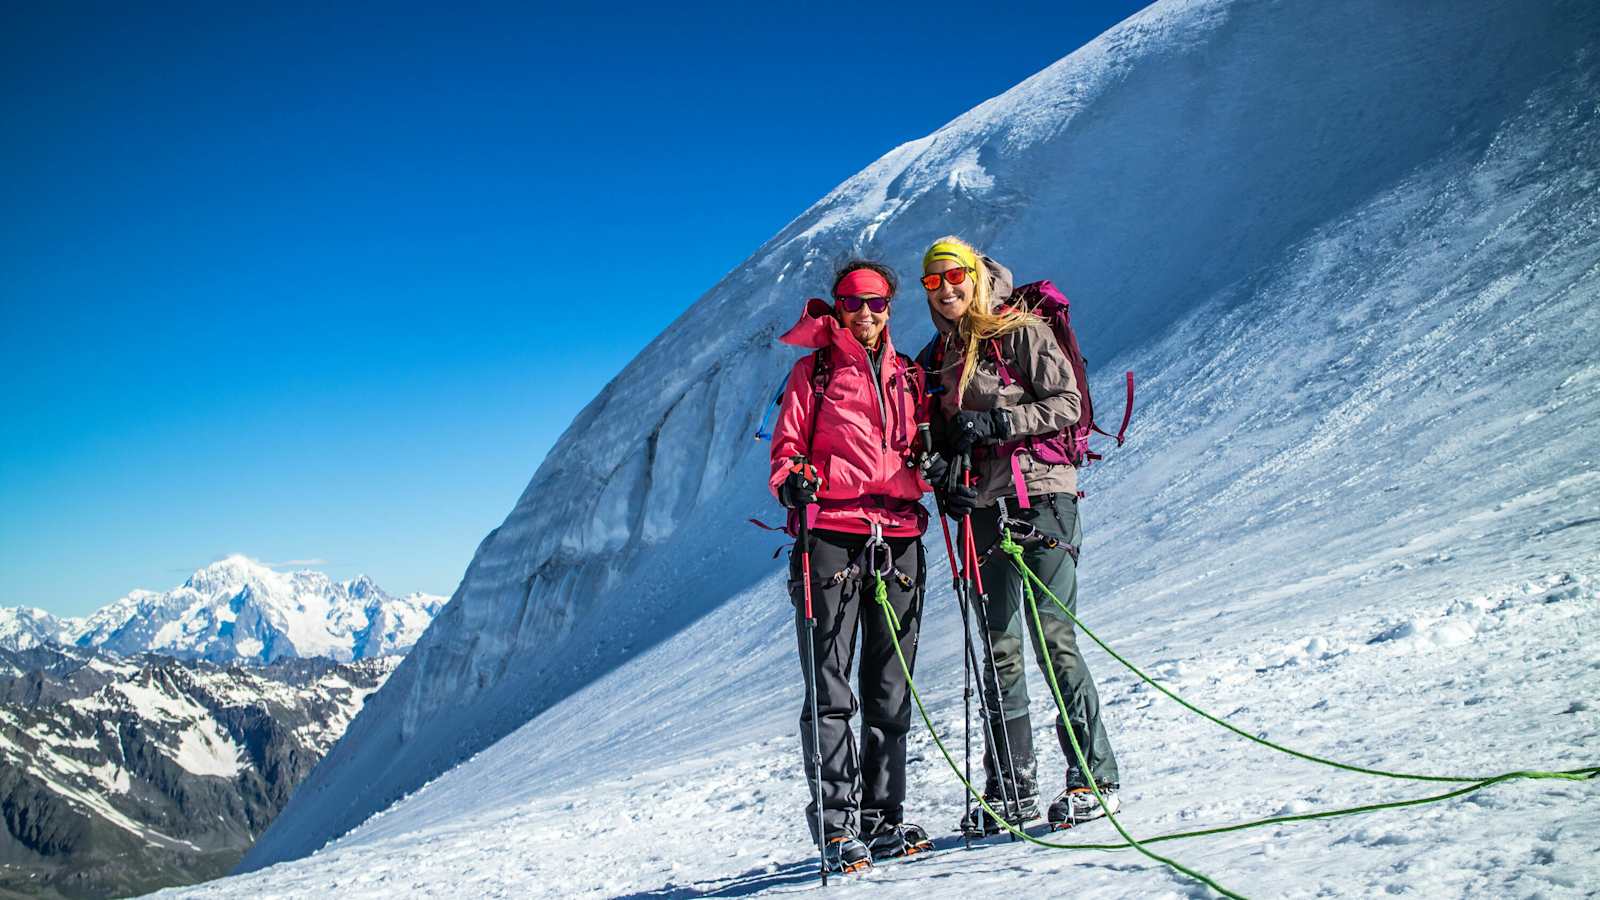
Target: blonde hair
x=981 y=322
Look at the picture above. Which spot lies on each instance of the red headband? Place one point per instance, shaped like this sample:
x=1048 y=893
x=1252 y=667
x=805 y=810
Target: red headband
x=858 y=282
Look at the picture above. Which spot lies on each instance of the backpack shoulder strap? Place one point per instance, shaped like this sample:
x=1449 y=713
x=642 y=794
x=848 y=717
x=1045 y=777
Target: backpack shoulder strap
x=821 y=371
x=911 y=372
x=1002 y=363
x=931 y=359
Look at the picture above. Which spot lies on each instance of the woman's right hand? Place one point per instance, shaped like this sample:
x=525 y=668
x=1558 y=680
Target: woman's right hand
x=960 y=501
x=798 y=490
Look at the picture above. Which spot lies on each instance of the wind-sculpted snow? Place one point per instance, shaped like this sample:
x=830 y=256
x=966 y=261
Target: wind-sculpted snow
x=1349 y=247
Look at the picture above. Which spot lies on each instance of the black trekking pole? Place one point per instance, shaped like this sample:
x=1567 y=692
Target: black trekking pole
x=811 y=678
x=959 y=589
x=1011 y=800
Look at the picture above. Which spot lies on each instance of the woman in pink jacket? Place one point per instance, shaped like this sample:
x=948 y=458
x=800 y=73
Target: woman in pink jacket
x=842 y=453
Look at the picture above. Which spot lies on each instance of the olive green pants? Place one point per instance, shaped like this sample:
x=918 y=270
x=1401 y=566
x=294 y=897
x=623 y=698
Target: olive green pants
x=1004 y=614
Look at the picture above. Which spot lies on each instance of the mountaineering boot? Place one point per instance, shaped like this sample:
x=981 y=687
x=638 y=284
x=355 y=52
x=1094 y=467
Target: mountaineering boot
x=1017 y=767
x=1020 y=781
x=845 y=853
x=899 y=840
x=1077 y=805
x=979 y=823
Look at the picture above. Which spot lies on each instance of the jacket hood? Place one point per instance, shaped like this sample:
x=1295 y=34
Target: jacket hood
x=1000 y=288
x=816 y=327
x=819 y=328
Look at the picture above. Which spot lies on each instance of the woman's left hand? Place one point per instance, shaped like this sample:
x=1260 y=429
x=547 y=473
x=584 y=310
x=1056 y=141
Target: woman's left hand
x=972 y=428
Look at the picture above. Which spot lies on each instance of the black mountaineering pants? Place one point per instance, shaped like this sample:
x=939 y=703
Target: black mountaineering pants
x=862 y=793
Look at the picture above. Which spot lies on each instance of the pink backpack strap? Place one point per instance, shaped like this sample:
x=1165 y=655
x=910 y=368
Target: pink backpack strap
x=1127 y=413
x=1002 y=368
x=1017 y=479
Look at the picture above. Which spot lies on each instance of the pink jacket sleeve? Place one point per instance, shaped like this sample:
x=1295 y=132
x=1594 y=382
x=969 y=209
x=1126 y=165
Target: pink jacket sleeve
x=793 y=428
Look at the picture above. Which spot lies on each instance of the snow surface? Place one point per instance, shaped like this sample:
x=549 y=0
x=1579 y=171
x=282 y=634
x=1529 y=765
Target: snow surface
x=1352 y=250
x=204 y=750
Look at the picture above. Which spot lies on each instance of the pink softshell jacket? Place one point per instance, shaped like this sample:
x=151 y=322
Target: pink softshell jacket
x=862 y=440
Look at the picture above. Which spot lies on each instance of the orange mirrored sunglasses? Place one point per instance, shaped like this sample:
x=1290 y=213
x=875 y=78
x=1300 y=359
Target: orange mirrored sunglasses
x=930 y=282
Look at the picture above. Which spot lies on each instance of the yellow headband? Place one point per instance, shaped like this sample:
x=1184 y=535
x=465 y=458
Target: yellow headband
x=961 y=253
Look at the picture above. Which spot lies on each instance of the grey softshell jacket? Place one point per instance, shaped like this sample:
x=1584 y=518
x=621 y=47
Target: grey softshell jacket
x=1043 y=398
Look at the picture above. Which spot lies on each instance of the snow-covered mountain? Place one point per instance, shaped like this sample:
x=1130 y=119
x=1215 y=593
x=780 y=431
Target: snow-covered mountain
x=123 y=774
x=1352 y=249
x=238 y=610
x=26 y=627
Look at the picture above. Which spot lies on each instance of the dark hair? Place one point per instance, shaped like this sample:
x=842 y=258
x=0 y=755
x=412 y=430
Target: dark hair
x=880 y=268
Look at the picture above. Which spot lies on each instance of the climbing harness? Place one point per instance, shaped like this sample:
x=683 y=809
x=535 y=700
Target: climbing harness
x=864 y=563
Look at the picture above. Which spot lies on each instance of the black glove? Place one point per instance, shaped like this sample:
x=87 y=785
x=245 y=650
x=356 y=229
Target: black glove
x=969 y=428
x=935 y=470
x=960 y=501
x=798 y=489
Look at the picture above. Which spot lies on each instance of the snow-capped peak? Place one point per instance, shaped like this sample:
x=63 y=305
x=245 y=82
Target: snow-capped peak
x=24 y=627
x=238 y=609
x=235 y=569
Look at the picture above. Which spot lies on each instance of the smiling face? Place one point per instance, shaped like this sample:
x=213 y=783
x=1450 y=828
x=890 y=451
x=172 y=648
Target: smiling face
x=949 y=301
x=865 y=324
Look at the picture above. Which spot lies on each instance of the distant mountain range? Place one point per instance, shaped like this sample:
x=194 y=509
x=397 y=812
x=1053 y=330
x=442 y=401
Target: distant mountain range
x=237 y=610
x=120 y=775
x=148 y=744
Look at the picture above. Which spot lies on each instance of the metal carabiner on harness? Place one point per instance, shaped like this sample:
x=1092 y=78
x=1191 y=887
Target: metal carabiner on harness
x=1025 y=533
x=884 y=567
x=869 y=561
x=875 y=542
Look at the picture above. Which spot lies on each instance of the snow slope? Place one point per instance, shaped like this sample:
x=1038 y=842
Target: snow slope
x=238 y=610
x=1353 y=250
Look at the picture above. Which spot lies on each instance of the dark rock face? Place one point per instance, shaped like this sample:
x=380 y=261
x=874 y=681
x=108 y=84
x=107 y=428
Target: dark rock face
x=123 y=775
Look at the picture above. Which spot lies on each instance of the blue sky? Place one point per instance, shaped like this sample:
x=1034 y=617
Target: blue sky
x=324 y=283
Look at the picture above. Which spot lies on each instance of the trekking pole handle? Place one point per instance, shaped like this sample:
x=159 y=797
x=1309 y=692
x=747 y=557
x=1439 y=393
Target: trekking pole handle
x=925 y=434
x=804 y=537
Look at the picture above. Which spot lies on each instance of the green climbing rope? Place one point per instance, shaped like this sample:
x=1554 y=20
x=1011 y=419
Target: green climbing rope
x=882 y=596
x=1030 y=580
x=1014 y=550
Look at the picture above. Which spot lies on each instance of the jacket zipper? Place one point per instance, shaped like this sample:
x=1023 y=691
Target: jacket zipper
x=877 y=391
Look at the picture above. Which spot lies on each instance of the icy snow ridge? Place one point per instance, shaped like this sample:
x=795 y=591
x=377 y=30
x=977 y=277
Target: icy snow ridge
x=1349 y=247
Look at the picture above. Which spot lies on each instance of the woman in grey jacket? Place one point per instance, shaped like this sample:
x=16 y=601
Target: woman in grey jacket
x=1001 y=377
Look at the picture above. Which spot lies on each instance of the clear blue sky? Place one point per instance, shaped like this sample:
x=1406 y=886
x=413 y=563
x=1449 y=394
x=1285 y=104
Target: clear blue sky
x=325 y=281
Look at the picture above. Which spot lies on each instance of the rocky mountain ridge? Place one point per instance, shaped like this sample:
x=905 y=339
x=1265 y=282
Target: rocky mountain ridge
x=120 y=775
